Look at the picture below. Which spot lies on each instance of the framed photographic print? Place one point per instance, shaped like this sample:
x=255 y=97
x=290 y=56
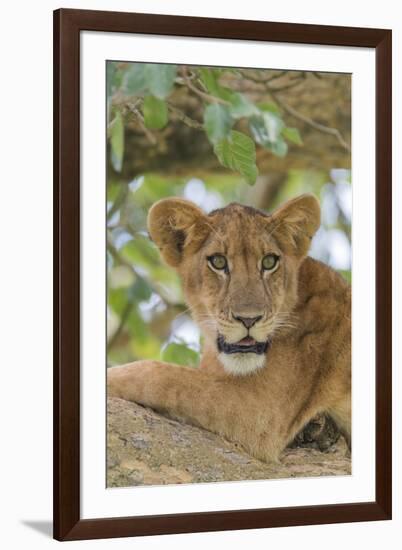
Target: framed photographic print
x=222 y=230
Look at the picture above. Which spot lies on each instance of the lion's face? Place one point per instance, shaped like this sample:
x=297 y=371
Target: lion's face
x=241 y=287
x=239 y=270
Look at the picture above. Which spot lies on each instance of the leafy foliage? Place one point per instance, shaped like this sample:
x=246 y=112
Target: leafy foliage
x=150 y=87
x=117 y=141
x=155 y=112
x=237 y=151
x=217 y=122
x=180 y=354
x=153 y=78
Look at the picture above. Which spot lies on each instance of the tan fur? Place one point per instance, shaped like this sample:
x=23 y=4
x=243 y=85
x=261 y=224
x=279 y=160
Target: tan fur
x=259 y=401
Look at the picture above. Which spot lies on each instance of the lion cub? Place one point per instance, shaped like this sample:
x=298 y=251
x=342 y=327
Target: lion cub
x=276 y=326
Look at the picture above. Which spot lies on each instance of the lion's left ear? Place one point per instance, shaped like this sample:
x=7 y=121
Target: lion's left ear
x=295 y=223
x=173 y=224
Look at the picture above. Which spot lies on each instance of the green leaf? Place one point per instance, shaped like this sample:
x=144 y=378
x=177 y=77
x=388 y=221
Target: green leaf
x=117 y=299
x=121 y=276
x=238 y=153
x=241 y=106
x=269 y=107
x=266 y=128
x=155 y=112
x=267 y=131
x=293 y=135
x=117 y=142
x=118 y=78
x=114 y=77
x=279 y=148
x=141 y=252
x=179 y=354
x=141 y=290
x=210 y=79
x=135 y=79
x=346 y=274
x=110 y=71
x=160 y=79
x=136 y=325
x=217 y=122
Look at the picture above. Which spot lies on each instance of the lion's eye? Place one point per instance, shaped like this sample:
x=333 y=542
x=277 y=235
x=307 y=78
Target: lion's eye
x=269 y=261
x=218 y=261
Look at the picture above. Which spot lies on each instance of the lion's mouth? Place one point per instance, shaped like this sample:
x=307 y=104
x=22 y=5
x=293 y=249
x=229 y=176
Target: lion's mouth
x=245 y=345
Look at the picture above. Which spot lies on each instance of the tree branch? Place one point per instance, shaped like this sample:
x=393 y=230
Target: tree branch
x=316 y=125
x=150 y=136
x=261 y=80
x=206 y=97
x=273 y=91
x=190 y=122
x=124 y=316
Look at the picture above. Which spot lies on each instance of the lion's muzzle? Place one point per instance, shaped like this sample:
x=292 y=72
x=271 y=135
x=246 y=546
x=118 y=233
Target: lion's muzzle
x=246 y=345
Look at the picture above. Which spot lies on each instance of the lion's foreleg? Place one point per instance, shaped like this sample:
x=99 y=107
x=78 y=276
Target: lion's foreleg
x=181 y=392
x=225 y=405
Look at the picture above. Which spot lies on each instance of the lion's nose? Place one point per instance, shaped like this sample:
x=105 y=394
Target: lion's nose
x=248 y=322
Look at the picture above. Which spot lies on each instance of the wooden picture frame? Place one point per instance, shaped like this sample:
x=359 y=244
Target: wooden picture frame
x=68 y=24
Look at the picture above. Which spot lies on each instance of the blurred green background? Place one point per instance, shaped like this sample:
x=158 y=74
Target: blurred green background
x=212 y=135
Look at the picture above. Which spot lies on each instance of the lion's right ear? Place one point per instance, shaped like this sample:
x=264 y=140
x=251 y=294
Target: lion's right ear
x=175 y=224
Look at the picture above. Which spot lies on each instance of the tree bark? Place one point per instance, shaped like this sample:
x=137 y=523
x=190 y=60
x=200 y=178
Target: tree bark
x=145 y=448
